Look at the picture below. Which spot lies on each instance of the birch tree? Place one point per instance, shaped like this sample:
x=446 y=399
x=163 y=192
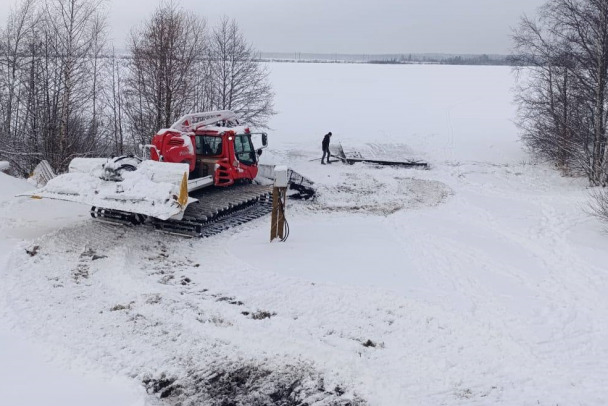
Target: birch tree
x=563 y=103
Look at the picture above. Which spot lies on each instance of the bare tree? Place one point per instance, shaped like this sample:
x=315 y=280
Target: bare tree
x=563 y=101
x=97 y=65
x=176 y=68
x=50 y=82
x=17 y=29
x=239 y=82
x=545 y=94
x=114 y=104
x=13 y=44
x=162 y=79
x=77 y=27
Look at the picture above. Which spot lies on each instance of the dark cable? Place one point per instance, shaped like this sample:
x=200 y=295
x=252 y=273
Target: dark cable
x=282 y=211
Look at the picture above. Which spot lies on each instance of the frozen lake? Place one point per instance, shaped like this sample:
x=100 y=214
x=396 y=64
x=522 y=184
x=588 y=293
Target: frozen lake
x=444 y=112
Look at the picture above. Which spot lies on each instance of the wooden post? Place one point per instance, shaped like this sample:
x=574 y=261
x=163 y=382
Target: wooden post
x=279 y=198
x=277 y=219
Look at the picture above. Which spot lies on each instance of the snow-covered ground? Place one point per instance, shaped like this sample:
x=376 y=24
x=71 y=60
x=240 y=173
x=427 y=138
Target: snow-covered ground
x=480 y=281
x=33 y=372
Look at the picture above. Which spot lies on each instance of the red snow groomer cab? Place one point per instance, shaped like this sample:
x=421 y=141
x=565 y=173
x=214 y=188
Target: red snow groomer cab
x=218 y=150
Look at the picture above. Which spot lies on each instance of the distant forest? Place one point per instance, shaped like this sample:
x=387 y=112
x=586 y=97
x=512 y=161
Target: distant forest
x=440 y=59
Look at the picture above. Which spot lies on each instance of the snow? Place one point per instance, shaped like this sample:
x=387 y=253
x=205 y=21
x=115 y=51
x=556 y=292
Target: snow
x=32 y=372
x=151 y=190
x=4 y=166
x=479 y=281
x=188 y=143
x=35 y=382
x=446 y=113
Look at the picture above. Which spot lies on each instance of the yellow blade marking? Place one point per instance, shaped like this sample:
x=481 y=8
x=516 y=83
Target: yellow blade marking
x=183 y=191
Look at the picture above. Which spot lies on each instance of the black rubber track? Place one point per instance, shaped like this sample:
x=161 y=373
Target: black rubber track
x=217 y=210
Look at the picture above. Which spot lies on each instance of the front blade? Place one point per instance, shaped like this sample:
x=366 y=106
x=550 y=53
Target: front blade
x=152 y=190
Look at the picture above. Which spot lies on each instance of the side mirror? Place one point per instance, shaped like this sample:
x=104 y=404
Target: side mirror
x=259 y=151
x=264 y=139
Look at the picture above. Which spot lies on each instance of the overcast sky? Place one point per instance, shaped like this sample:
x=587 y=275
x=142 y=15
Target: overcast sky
x=347 y=26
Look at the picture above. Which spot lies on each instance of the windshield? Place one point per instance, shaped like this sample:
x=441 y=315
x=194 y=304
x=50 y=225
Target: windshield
x=243 y=149
x=208 y=145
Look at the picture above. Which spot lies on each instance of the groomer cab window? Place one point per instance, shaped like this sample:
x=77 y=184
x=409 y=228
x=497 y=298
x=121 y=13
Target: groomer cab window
x=208 y=145
x=243 y=148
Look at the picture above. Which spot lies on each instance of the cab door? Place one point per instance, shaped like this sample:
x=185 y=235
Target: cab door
x=243 y=150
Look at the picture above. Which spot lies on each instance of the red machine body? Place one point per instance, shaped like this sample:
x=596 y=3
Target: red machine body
x=227 y=154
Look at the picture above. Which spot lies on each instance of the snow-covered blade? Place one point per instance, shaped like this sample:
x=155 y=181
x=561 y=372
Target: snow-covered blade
x=155 y=189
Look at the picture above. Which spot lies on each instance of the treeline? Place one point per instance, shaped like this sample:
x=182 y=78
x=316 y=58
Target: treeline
x=483 y=59
x=562 y=95
x=64 y=93
x=563 y=92
x=388 y=59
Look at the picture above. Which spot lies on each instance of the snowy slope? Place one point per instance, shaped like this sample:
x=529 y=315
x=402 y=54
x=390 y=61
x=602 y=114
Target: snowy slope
x=32 y=372
x=480 y=281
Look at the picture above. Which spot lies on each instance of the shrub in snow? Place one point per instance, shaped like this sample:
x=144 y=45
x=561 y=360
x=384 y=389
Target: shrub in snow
x=598 y=203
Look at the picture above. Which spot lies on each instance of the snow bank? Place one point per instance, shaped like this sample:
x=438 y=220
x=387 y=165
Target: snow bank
x=12 y=186
x=4 y=166
x=23 y=217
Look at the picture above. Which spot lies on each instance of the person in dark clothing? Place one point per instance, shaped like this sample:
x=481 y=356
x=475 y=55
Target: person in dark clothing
x=325 y=145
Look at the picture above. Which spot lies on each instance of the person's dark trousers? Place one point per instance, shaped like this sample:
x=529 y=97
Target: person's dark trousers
x=325 y=152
